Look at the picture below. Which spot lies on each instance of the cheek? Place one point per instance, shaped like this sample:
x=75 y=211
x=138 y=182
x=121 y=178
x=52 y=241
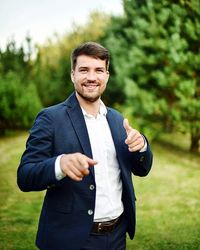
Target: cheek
x=103 y=86
x=104 y=79
x=78 y=79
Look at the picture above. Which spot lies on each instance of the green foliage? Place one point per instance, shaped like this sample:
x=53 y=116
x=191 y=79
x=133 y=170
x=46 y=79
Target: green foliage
x=155 y=51
x=18 y=104
x=52 y=81
x=15 y=59
x=19 y=101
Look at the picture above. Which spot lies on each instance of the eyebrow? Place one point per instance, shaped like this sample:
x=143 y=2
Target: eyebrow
x=100 y=68
x=85 y=67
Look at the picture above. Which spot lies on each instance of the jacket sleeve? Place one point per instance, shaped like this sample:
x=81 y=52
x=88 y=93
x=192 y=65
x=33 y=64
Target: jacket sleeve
x=142 y=161
x=37 y=167
x=139 y=163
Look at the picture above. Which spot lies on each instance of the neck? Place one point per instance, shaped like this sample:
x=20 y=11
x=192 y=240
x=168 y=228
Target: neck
x=91 y=108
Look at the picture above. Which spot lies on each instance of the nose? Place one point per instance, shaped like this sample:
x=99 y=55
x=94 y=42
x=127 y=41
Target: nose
x=91 y=76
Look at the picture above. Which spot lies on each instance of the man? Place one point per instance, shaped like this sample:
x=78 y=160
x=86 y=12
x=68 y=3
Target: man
x=83 y=154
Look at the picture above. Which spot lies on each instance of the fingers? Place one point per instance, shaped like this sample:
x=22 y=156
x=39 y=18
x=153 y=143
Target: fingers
x=91 y=162
x=76 y=165
x=134 y=140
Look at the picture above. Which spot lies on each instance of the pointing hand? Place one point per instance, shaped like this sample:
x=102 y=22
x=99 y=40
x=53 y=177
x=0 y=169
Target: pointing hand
x=134 y=140
x=76 y=165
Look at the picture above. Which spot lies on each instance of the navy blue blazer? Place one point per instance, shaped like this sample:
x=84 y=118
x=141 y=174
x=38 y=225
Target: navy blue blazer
x=66 y=217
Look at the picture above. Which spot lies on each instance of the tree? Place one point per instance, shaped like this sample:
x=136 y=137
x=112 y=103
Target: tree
x=155 y=48
x=15 y=59
x=19 y=101
x=18 y=104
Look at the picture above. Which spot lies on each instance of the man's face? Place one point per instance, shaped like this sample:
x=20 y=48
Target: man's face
x=90 y=77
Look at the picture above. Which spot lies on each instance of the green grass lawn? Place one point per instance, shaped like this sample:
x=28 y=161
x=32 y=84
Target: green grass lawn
x=168 y=201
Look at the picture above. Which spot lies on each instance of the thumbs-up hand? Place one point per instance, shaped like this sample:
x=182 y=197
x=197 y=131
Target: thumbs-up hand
x=134 y=140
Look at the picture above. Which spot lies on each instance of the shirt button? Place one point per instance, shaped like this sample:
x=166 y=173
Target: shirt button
x=90 y=211
x=91 y=187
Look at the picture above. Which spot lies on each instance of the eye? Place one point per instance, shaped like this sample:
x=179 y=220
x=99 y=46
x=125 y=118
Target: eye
x=83 y=70
x=100 y=71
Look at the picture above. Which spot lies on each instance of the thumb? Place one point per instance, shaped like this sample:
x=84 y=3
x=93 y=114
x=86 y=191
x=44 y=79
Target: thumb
x=127 y=126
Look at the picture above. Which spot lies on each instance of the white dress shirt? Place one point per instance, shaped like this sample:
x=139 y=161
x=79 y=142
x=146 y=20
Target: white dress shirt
x=108 y=204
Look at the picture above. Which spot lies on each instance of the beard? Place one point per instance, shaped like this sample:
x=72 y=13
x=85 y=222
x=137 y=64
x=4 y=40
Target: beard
x=88 y=98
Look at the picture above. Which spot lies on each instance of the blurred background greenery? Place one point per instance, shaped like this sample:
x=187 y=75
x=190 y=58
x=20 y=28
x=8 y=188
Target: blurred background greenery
x=155 y=68
x=154 y=81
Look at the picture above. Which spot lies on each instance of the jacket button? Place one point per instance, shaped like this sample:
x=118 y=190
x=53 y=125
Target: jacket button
x=91 y=187
x=90 y=211
x=141 y=158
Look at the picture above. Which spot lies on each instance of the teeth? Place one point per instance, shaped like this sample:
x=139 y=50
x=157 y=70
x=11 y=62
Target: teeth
x=90 y=86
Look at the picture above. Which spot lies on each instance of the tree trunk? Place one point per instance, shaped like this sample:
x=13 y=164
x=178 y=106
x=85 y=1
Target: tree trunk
x=195 y=139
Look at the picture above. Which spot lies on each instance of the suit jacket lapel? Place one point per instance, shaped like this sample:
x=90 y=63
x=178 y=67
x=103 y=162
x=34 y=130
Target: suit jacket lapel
x=115 y=129
x=78 y=122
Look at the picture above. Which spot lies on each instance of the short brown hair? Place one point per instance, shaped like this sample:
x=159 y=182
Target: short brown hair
x=91 y=49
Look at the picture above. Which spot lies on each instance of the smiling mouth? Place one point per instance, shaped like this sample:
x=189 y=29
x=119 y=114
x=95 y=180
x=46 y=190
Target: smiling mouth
x=90 y=86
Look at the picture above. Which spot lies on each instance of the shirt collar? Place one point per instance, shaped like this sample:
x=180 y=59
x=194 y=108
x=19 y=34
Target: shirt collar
x=102 y=110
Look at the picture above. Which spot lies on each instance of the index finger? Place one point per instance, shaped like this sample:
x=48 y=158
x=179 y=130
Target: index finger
x=86 y=161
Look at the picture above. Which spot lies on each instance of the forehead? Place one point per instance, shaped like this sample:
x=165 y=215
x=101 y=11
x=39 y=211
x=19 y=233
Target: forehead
x=90 y=62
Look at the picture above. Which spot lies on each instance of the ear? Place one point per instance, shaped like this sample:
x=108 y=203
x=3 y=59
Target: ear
x=108 y=75
x=72 y=76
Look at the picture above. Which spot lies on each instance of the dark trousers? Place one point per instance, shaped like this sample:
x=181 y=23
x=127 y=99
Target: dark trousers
x=116 y=240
